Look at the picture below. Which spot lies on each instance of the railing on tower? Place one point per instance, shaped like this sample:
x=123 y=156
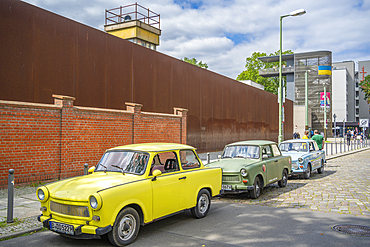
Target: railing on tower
x=132 y=12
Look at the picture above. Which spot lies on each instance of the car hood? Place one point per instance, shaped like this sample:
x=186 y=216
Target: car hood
x=295 y=155
x=80 y=188
x=233 y=165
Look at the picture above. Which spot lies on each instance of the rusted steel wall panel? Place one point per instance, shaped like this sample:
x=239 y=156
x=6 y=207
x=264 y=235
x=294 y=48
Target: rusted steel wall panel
x=44 y=54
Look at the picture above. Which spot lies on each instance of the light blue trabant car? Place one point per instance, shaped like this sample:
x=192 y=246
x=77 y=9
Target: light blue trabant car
x=306 y=156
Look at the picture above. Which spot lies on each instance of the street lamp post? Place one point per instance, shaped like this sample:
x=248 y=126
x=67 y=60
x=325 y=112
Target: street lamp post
x=306 y=97
x=280 y=93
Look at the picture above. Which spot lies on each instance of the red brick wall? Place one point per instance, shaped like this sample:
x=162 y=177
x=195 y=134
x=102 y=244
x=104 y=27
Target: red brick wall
x=46 y=142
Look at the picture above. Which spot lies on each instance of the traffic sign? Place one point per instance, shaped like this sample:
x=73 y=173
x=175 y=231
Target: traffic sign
x=364 y=123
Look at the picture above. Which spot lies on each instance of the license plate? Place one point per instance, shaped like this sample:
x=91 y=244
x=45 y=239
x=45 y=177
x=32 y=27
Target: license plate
x=226 y=187
x=61 y=227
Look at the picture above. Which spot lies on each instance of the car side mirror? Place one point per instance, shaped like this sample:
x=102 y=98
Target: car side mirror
x=219 y=156
x=91 y=170
x=156 y=173
x=265 y=156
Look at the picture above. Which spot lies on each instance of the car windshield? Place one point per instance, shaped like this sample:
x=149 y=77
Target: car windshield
x=242 y=151
x=293 y=146
x=124 y=161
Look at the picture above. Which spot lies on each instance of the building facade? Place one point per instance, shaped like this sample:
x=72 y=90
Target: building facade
x=295 y=68
x=363 y=106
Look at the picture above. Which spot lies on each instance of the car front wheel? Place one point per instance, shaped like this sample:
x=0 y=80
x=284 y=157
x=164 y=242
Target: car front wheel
x=307 y=174
x=125 y=228
x=284 y=180
x=256 y=191
x=203 y=204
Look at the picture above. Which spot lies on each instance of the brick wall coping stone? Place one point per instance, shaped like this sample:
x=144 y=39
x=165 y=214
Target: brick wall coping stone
x=29 y=105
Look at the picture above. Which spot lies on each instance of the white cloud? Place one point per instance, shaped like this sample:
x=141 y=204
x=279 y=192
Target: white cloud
x=223 y=33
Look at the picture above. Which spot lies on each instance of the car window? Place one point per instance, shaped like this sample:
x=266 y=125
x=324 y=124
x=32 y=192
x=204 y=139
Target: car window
x=313 y=147
x=123 y=161
x=293 y=146
x=165 y=162
x=188 y=159
x=276 y=150
x=316 y=146
x=266 y=150
x=243 y=151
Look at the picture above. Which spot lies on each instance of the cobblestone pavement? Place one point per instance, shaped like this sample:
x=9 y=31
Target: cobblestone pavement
x=343 y=188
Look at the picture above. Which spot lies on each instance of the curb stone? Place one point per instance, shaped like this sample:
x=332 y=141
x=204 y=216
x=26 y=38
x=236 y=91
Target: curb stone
x=18 y=233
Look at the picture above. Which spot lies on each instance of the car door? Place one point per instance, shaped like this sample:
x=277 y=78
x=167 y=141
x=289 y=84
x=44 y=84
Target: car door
x=280 y=161
x=315 y=155
x=272 y=164
x=169 y=187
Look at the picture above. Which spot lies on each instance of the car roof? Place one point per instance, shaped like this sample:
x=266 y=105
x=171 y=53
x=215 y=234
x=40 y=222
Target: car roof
x=298 y=140
x=153 y=147
x=252 y=142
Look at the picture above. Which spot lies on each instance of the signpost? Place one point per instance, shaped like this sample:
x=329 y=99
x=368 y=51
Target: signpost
x=364 y=123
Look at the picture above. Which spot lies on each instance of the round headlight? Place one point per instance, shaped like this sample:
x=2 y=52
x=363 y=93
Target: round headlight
x=42 y=194
x=93 y=202
x=243 y=172
x=300 y=160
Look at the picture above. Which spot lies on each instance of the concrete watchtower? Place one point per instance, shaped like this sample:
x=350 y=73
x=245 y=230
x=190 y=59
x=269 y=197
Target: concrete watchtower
x=134 y=23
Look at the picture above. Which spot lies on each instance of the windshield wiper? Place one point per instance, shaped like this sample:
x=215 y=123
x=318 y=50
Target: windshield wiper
x=226 y=157
x=105 y=168
x=119 y=168
x=239 y=156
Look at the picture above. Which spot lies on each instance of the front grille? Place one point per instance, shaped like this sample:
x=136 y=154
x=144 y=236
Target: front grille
x=234 y=178
x=73 y=210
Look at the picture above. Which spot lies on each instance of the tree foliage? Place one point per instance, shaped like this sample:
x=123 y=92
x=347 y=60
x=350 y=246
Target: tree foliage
x=365 y=88
x=253 y=65
x=195 y=62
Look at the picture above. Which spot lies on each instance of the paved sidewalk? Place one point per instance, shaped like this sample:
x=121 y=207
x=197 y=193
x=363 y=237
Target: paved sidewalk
x=343 y=188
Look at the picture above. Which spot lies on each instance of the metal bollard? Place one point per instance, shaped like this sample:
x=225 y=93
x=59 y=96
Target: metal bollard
x=336 y=148
x=86 y=168
x=340 y=147
x=208 y=158
x=331 y=148
x=9 y=218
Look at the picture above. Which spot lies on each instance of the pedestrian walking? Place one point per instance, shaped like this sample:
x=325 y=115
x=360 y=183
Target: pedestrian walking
x=306 y=135
x=319 y=139
x=348 y=138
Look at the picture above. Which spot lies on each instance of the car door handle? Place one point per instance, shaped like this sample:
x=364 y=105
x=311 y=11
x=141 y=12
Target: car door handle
x=182 y=178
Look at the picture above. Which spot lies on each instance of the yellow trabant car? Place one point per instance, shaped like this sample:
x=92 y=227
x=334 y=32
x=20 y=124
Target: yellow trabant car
x=131 y=186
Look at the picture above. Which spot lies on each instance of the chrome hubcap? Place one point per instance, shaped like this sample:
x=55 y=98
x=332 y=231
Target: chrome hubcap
x=203 y=203
x=127 y=227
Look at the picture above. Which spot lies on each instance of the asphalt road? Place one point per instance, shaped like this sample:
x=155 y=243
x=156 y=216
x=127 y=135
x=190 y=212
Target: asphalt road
x=230 y=224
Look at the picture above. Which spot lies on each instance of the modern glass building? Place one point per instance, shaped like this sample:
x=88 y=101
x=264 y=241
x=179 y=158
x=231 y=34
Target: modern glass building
x=317 y=64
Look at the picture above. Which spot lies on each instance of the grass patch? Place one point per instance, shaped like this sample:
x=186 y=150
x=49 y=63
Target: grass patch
x=16 y=222
x=37 y=184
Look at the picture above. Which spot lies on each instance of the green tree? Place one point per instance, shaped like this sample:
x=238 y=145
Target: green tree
x=195 y=62
x=253 y=65
x=365 y=88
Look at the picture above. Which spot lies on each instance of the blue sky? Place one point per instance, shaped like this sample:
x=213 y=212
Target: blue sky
x=223 y=33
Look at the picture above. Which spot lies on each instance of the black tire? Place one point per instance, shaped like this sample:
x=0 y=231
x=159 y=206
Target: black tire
x=256 y=192
x=125 y=228
x=203 y=204
x=321 y=169
x=284 y=180
x=307 y=174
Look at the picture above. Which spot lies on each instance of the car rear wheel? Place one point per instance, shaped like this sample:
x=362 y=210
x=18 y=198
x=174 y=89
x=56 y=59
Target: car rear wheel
x=256 y=191
x=284 y=180
x=307 y=174
x=125 y=228
x=203 y=204
x=321 y=169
